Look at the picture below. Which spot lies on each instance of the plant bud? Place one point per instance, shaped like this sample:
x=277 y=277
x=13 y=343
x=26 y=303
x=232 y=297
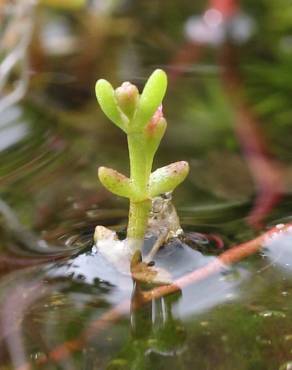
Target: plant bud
x=157 y=125
x=154 y=132
x=127 y=96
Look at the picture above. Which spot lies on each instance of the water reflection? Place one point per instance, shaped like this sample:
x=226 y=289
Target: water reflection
x=30 y=244
x=177 y=258
x=278 y=249
x=86 y=291
x=16 y=304
x=12 y=128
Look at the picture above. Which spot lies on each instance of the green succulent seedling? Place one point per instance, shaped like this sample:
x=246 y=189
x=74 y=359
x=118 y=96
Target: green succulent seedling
x=141 y=118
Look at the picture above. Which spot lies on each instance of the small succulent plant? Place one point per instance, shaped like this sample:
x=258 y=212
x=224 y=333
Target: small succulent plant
x=141 y=118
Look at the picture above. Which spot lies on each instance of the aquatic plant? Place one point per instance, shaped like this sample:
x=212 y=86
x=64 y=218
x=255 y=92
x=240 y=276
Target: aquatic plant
x=142 y=119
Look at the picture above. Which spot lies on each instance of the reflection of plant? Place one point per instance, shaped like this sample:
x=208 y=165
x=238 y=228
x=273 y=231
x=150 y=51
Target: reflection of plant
x=155 y=336
x=141 y=118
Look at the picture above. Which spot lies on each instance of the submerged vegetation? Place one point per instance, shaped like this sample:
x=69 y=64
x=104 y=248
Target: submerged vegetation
x=141 y=118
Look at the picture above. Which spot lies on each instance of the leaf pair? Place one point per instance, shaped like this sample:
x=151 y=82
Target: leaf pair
x=161 y=181
x=134 y=112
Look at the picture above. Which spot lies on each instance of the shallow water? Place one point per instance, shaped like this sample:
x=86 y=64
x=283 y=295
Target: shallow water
x=53 y=289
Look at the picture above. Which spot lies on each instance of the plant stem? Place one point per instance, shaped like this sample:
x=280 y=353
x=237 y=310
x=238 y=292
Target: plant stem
x=138 y=219
x=140 y=165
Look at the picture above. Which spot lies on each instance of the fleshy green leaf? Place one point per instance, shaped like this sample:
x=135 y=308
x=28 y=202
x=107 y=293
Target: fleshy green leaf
x=105 y=95
x=115 y=182
x=151 y=97
x=167 y=178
